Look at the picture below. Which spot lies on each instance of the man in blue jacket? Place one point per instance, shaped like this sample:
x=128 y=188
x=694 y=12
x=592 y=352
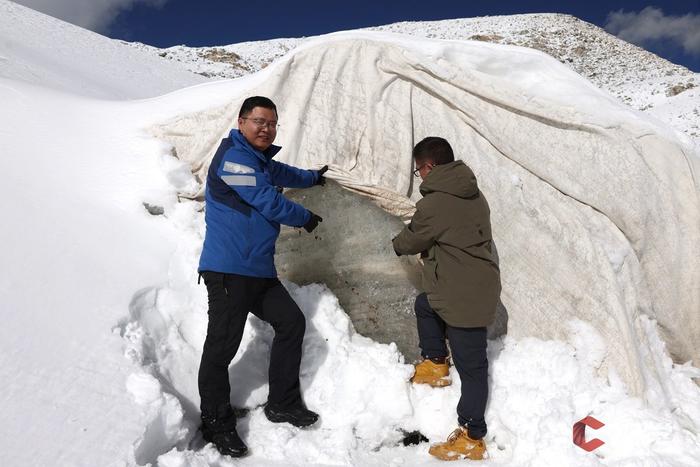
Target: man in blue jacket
x=244 y=210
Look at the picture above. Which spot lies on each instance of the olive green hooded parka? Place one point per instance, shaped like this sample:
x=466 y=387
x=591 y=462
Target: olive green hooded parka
x=451 y=229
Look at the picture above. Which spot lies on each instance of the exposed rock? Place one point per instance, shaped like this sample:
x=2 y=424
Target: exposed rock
x=486 y=37
x=679 y=88
x=224 y=56
x=153 y=209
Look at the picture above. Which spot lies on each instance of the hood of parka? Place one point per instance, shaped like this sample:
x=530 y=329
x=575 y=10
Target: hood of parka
x=454 y=178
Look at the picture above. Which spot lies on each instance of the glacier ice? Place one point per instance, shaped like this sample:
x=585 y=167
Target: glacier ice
x=595 y=207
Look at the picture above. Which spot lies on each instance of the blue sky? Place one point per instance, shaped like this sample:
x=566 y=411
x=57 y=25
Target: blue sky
x=670 y=28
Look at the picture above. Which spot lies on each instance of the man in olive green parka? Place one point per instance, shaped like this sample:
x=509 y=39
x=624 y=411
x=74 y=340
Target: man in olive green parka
x=451 y=229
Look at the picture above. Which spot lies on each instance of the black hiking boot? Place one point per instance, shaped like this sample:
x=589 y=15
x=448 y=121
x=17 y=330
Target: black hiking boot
x=298 y=416
x=220 y=429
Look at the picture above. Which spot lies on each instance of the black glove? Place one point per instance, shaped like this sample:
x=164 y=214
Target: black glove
x=313 y=222
x=321 y=179
x=392 y=245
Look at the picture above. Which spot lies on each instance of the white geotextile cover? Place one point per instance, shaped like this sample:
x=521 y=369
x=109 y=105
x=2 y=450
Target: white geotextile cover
x=595 y=208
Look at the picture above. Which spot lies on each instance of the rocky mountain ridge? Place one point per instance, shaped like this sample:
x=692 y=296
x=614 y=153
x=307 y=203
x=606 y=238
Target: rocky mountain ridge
x=635 y=76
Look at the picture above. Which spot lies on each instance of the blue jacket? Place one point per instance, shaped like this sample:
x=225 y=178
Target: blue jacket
x=244 y=208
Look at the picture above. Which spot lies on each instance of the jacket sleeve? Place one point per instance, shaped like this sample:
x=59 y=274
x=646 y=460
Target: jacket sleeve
x=416 y=237
x=256 y=188
x=291 y=177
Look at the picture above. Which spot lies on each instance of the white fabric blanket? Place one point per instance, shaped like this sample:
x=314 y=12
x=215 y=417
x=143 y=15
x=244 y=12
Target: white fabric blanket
x=595 y=208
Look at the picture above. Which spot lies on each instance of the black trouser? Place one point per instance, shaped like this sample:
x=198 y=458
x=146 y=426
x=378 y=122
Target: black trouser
x=468 y=347
x=231 y=297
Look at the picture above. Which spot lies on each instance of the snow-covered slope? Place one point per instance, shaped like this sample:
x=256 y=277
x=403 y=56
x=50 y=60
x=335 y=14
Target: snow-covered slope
x=38 y=49
x=102 y=318
x=635 y=76
x=681 y=112
x=76 y=243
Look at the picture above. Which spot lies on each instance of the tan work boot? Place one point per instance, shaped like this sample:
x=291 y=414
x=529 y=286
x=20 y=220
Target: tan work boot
x=459 y=446
x=434 y=374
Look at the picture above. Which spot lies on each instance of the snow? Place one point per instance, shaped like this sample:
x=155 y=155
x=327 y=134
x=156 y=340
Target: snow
x=39 y=49
x=103 y=321
x=682 y=112
x=538 y=390
x=65 y=277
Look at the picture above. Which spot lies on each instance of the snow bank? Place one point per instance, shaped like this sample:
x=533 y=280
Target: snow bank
x=76 y=244
x=595 y=207
x=360 y=388
x=539 y=389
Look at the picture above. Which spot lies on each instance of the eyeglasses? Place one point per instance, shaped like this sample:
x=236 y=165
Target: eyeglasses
x=416 y=173
x=262 y=123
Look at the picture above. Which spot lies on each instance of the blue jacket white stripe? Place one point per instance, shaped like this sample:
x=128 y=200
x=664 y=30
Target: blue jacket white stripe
x=244 y=209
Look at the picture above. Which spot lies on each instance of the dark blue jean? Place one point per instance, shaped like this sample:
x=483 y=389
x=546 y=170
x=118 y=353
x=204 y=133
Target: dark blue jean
x=468 y=346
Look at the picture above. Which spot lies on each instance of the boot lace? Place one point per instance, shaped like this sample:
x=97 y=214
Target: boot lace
x=455 y=434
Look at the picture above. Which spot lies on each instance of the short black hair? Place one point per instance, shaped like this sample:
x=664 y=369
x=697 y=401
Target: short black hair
x=256 y=101
x=435 y=149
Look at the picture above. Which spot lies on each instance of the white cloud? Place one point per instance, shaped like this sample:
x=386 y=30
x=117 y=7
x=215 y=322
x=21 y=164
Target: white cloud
x=651 y=24
x=96 y=15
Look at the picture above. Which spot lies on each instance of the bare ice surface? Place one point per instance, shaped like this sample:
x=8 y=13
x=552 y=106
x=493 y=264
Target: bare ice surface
x=351 y=252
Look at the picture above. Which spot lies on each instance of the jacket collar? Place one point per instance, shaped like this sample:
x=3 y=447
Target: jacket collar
x=266 y=156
